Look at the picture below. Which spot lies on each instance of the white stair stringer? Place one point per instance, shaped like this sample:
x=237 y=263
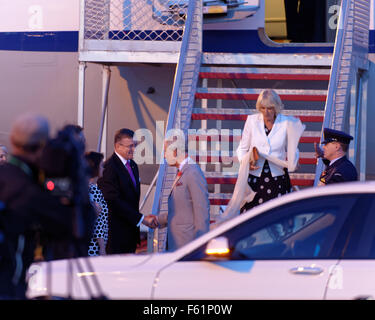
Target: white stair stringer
x=179 y=116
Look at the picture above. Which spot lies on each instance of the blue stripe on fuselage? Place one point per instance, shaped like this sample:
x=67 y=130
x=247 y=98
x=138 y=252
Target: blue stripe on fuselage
x=234 y=41
x=61 y=41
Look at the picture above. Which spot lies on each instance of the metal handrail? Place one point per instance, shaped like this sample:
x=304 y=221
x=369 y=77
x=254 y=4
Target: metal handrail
x=148 y=192
x=180 y=66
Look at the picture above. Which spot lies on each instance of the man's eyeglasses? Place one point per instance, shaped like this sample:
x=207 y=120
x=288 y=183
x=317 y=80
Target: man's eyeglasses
x=133 y=145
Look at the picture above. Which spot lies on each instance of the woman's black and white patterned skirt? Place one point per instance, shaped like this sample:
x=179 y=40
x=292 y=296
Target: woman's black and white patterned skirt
x=267 y=187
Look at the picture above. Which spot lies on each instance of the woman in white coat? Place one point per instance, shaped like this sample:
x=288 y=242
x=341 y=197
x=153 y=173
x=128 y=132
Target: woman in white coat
x=273 y=138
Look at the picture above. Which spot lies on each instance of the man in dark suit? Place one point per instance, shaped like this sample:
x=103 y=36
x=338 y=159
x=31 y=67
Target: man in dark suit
x=338 y=167
x=121 y=189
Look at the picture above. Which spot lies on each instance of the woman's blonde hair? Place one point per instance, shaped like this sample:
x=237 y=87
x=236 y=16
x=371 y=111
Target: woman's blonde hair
x=269 y=98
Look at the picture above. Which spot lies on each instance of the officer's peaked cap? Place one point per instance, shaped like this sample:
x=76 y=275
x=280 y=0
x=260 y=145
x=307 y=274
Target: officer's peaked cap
x=331 y=135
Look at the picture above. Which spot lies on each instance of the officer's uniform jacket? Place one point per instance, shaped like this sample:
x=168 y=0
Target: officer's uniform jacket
x=341 y=170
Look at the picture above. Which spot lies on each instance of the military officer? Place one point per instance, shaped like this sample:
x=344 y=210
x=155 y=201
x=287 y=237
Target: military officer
x=338 y=167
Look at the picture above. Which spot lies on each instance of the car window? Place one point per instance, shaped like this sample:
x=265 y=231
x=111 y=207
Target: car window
x=305 y=229
x=296 y=236
x=361 y=232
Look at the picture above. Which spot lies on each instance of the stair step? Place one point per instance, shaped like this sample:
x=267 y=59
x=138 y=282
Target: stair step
x=264 y=73
x=241 y=114
x=230 y=136
x=215 y=157
x=219 y=198
x=298 y=179
x=252 y=94
x=280 y=59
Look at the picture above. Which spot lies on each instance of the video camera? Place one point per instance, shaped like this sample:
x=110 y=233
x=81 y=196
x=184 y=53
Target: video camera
x=64 y=169
x=65 y=175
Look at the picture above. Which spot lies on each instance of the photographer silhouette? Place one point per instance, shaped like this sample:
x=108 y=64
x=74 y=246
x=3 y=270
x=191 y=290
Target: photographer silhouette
x=28 y=209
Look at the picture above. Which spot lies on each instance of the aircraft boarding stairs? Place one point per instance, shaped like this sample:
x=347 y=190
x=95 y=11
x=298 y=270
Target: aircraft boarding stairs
x=226 y=94
x=227 y=87
x=215 y=92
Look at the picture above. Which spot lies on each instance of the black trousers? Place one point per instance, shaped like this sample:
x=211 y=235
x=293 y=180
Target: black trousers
x=305 y=20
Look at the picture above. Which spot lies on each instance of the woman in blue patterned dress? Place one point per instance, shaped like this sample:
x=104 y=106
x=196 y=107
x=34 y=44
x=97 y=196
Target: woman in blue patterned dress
x=100 y=233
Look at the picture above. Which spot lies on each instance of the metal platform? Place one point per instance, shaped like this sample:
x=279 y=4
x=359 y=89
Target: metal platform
x=130 y=31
